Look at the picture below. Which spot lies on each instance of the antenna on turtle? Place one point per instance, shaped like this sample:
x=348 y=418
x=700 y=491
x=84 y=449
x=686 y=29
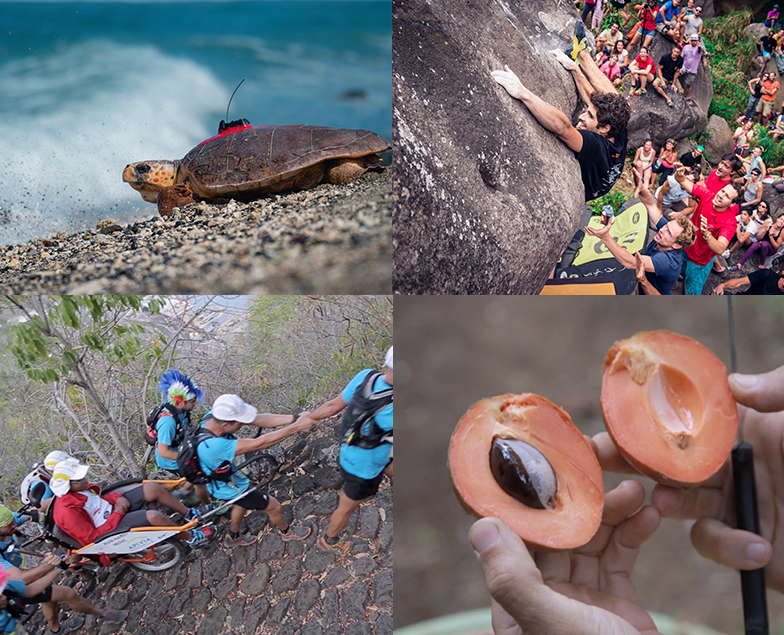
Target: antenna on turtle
x=223 y=124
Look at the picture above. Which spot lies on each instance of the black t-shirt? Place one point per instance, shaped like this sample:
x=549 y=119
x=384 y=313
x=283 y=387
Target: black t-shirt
x=669 y=66
x=763 y=282
x=768 y=43
x=601 y=162
x=689 y=160
x=758 y=89
x=618 y=4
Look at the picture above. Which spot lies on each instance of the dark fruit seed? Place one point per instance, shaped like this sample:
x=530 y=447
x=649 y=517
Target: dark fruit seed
x=523 y=472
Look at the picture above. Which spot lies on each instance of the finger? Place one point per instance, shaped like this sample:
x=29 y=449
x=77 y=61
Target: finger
x=731 y=547
x=761 y=392
x=609 y=457
x=554 y=566
x=618 y=559
x=700 y=502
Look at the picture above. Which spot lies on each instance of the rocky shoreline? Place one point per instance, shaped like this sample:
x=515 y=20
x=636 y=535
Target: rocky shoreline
x=331 y=239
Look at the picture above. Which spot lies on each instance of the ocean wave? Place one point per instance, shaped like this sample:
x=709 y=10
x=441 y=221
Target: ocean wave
x=75 y=117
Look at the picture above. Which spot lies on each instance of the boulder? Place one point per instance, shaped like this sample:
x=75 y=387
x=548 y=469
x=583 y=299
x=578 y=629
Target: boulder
x=653 y=118
x=756 y=30
x=486 y=198
x=718 y=139
x=774 y=198
x=708 y=8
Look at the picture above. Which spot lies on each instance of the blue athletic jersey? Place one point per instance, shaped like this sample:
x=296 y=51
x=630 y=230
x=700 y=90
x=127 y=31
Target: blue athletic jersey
x=167 y=429
x=360 y=462
x=8 y=624
x=212 y=453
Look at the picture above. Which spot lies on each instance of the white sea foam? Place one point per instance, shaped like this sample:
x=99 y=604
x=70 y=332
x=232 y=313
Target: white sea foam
x=72 y=120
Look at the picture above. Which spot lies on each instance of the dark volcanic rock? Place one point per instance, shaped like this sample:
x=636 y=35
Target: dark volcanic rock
x=486 y=199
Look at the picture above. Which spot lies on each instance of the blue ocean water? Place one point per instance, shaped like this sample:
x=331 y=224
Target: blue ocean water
x=88 y=87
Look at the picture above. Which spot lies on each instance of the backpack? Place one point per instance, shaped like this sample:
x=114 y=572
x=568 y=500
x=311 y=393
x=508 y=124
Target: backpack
x=164 y=410
x=364 y=406
x=188 y=460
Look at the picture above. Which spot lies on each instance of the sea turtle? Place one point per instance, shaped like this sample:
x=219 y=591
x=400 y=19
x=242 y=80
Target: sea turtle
x=244 y=163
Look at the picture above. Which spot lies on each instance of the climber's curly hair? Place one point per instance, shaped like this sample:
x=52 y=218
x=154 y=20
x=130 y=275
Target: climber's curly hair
x=611 y=110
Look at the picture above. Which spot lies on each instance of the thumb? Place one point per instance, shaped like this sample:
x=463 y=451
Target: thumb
x=513 y=579
x=761 y=392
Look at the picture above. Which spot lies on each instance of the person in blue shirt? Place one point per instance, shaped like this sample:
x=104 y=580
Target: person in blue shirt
x=366 y=456
x=180 y=396
x=668 y=20
x=228 y=414
x=36 y=583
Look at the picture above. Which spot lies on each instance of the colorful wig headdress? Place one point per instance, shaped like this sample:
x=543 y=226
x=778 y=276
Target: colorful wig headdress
x=179 y=388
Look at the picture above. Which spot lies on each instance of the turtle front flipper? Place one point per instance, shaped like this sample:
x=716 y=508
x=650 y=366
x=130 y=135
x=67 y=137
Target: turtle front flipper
x=174 y=196
x=347 y=169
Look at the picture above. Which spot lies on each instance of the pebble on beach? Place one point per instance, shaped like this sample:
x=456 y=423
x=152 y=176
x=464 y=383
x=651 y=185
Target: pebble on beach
x=330 y=239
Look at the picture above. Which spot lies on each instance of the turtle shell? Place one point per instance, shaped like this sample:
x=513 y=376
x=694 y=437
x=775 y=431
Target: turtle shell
x=271 y=159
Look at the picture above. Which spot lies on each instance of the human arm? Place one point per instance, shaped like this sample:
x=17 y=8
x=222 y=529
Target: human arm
x=636 y=160
x=764 y=229
x=728 y=285
x=680 y=176
x=716 y=245
x=762 y=176
x=777 y=240
x=587 y=590
x=654 y=210
x=548 y=116
x=302 y=424
x=272 y=421
x=642 y=279
x=49 y=563
x=618 y=252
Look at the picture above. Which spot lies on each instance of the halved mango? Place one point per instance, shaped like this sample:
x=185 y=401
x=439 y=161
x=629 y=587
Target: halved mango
x=668 y=407
x=579 y=499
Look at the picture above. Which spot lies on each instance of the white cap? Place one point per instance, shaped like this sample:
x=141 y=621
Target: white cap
x=55 y=457
x=388 y=359
x=65 y=472
x=232 y=408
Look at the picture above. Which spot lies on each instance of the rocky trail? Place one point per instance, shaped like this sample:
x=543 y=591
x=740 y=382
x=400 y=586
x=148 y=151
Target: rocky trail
x=270 y=587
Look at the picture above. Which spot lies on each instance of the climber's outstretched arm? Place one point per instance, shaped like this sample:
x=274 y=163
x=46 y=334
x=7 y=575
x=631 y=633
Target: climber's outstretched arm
x=548 y=116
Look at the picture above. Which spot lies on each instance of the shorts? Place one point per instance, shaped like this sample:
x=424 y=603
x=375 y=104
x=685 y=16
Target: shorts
x=646 y=32
x=695 y=275
x=765 y=107
x=657 y=82
x=256 y=500
x=135 y=497
x=686 y=78
x=137 y=518
x=358 y=489
x=40 y=598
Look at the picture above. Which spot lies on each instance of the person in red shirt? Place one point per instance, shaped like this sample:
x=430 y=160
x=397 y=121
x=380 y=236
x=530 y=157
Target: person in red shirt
x=647 y=27
x=85 y=514
x=715 y=220
x=643 y=70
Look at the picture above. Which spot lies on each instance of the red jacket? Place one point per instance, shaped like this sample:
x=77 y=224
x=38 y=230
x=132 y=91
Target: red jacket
x=70 y=516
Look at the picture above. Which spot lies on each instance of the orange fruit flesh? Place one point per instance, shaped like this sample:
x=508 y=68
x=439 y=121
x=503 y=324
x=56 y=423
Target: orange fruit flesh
x=579 y=500
x=668 y=407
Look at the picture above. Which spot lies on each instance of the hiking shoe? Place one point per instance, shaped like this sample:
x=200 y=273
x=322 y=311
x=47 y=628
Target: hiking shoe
x=731 y=268
x=194 y=513
x=114 y=617
x=295 y=534
x=212 y=506
x=670 y=104
x=241 y=540
x=200 y=537
x=71 y=624
x=579 y=41
x=334 y=547
x=642 y=91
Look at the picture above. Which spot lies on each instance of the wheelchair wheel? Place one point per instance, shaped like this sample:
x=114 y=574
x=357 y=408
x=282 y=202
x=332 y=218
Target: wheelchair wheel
x=262 y=468
x=167 y=555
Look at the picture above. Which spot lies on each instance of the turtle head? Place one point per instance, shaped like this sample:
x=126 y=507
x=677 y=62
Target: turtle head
x=150 y=177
